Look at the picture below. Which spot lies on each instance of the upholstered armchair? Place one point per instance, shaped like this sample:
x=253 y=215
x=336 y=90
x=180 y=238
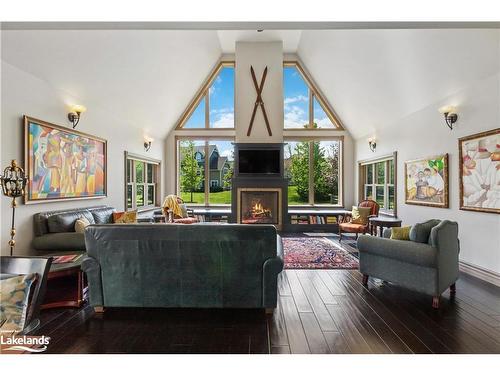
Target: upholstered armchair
x=347 y=226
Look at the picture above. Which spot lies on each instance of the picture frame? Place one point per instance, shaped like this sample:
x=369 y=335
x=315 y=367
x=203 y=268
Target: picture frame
x=62 y=163
x=479 y=172
x=427 y=181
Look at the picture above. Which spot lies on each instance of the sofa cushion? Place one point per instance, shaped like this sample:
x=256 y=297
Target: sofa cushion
x=402 y=233
x=81 y=224
x=65 y=241
x=360 y=215
x=65 y=222
x=14 y=294
x=125 y=217
x=103 y=215
x=420 y=232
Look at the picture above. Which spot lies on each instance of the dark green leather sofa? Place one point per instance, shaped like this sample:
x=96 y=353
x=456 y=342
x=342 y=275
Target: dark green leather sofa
x=176 y=265
x=55 y=230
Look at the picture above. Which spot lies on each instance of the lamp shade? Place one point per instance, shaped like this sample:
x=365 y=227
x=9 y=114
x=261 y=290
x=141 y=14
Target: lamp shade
x=78 y=108
x=448 y=109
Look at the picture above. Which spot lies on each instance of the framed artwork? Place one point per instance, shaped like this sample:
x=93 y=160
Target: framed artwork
x=63 y=164
x=426 y=181
x=479 y=175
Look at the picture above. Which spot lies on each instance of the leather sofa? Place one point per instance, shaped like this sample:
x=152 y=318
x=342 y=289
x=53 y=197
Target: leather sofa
x=190 y=266
x=427 y=263
x=55 y=230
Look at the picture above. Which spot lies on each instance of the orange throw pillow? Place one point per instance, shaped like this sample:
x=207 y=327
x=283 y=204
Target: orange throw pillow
x=125 y=217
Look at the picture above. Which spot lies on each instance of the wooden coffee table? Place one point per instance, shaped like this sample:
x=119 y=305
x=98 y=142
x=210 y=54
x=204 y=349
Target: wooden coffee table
x=66 y=285
x=384 y=222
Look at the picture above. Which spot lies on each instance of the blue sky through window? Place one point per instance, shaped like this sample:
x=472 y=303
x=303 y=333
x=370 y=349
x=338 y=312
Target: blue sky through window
x=320 y=116
x=296 y=97
x=222 y=99
x=197 y=118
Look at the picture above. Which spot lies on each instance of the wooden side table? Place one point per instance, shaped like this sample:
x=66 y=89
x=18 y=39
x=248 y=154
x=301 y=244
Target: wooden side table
x=66 y=285
x=382 y=222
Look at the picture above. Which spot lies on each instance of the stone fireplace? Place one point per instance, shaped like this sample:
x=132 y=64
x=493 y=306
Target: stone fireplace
x=259 y=192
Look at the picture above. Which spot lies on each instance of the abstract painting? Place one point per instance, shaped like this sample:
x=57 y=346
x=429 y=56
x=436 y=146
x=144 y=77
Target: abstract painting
x=480 y=172
x=426 y=181
x=62 y=163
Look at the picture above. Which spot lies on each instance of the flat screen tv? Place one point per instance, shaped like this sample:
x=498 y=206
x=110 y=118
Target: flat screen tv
x=259 y=161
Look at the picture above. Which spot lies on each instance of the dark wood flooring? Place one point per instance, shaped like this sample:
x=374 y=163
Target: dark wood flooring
x=319 y=311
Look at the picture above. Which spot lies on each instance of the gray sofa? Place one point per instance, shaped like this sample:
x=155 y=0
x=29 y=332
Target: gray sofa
x=55 y=230
x=175 y=265
x=428 y=263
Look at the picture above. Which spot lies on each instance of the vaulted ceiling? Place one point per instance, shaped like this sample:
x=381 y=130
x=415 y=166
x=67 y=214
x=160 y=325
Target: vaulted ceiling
x=372 y=78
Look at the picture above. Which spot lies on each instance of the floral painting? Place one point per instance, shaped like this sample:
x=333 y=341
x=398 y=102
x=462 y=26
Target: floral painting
x=480 y=172
x=63 y=163
x=426 y=181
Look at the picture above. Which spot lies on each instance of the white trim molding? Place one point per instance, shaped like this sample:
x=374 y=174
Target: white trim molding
x=480 y=273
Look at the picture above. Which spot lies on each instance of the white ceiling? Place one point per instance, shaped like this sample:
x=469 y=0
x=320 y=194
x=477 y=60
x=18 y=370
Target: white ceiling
x=146 y=77
x=372 y=78
x=290 y=38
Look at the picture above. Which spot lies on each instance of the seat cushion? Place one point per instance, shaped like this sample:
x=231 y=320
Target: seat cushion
x=60 y=241
x=65 y=222
x=14 y=294
x=352 y=227
x=420 y=232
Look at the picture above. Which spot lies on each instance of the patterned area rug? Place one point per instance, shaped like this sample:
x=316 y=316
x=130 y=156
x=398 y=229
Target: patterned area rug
x=311 y=252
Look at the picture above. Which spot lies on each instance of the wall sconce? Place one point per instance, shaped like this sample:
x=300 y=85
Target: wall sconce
x=75 y=113
x=147 y=143
x=372 y=143
x=450 y=115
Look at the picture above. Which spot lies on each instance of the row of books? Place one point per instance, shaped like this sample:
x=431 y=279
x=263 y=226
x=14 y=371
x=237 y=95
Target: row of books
x=313 y=219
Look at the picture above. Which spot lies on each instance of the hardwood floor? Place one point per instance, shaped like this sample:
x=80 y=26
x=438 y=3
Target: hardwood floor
x=319 y=311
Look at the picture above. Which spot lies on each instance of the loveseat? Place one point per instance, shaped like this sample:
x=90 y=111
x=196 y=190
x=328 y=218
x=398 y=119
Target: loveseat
x=426 y=263
x=174 y=265
x=55 y=230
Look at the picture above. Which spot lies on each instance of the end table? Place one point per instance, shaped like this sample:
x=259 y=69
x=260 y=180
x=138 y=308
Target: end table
x=384 y=222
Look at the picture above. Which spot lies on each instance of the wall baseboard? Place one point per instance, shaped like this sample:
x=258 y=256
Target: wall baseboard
x=481 y=273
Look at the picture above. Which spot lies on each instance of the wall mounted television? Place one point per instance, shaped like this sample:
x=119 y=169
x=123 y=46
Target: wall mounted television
x=258 y=161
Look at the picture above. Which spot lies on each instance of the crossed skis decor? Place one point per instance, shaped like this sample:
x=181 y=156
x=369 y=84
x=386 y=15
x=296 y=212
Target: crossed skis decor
x=259 y=101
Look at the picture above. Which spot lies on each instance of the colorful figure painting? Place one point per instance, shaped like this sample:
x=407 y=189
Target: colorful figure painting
x=480 y=172
x=62 y=163
x=426 y=181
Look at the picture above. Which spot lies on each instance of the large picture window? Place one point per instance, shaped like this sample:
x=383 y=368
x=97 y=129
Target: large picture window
x=304 y=106
x=204 y=170
x=142 y=182
x=314 y=170
x=378 y=182
x=213 y=106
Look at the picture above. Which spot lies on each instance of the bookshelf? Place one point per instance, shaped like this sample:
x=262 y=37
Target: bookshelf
x=300 y=220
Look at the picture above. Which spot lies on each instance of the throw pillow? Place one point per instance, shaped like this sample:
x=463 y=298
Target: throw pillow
x=14 y=294
x=402 y=233
x=360 y=215
x=125 y=217
x=81 y=224
x=420 y=232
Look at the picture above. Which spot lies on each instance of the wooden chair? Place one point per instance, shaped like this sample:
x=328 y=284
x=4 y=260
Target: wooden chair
x=24 y=266
x=347 y=226
x=171 y=218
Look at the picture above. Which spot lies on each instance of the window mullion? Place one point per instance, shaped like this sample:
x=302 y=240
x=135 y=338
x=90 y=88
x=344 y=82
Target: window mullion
x=207 y=109
x=311 y=109
x=207 y=171
x=311 y=172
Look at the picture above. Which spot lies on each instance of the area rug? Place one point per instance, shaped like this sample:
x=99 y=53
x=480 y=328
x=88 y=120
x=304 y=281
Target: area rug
x=304 y=252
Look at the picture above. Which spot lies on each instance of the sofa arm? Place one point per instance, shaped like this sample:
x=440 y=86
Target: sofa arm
x=93 y=270
x=271 y=269
x=444 y=238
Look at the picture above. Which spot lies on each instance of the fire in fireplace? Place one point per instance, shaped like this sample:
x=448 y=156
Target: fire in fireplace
x=259 y=206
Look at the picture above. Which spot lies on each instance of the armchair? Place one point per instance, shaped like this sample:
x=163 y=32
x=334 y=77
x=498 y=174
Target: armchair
x=347 y=226
x=428 y=263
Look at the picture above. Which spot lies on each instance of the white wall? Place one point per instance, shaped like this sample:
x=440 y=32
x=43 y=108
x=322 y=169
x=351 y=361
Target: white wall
x=23 y=93
x=424 y=133
x=259 y=55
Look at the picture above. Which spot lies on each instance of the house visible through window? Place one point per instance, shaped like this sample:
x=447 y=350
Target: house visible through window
x=142 y=182
x=378 y=182
x=204 y=170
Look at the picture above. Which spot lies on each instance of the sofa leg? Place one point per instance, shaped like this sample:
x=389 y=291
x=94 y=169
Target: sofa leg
x=365 y=280
x=99 y=309
x=435 y=302
x=453 y=290
x=269 y=310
